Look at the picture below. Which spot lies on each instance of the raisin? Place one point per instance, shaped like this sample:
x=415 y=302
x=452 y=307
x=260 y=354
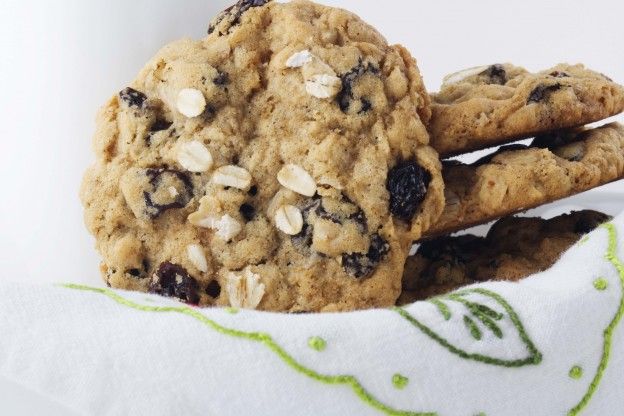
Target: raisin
x=497 y=74
x=360 y=220
x=346 y=95
x=234 y=14
x=361 y=265
x=304 y=238
x=321 y=212
x=173 y=280
x=132 y=97
x=542 y=92
x=378 y=248
x=559 y=74
x=213 y=289
x=221 y=79
x=365 y=106
x=165 y=178
x=248 y=212
x=407 y=185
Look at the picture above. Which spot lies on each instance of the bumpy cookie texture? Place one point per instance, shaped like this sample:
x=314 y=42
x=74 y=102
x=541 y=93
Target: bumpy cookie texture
x=513 y=179
x=513 y=249
x=281 y=163
x=485 y=106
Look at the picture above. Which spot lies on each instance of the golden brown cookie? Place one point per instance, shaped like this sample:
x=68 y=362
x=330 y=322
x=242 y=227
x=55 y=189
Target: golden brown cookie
x=514 y=248
x=281 y=163
x=490 y=105
x=515 y=179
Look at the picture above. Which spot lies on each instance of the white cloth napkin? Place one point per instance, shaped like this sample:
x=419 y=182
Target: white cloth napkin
x=552 y=344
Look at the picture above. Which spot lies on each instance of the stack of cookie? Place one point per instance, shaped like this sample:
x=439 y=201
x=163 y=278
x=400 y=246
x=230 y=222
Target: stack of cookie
x=285 y=163
x=493 y=105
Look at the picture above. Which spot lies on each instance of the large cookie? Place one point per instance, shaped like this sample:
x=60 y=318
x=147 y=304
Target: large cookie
x=485 y=106
x=514 y=248
x=516 y=178
x=281 y=163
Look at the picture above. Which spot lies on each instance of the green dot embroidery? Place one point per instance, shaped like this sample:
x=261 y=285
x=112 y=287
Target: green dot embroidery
x=263 y=338
x=399 y=381
x=232 y=311
x=601 y=284
x=612 y=257
x=576 y=372
x=317 y=343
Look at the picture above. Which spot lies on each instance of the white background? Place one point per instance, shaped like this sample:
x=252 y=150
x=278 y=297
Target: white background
x=63 y=59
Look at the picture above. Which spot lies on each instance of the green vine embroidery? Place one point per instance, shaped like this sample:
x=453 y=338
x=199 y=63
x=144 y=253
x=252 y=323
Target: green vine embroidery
x=488 y=317
x=267 y=341
x=399 y=381
x=612 y=257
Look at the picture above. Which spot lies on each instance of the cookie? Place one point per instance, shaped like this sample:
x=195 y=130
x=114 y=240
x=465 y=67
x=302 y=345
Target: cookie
x=490 y=105
x=281 y=163
x=517 y=178
x=513 y=249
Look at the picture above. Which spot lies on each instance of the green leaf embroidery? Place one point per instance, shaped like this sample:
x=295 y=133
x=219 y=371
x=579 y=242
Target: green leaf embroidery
x=444 y=310
x=478 y=314
x=474 y=330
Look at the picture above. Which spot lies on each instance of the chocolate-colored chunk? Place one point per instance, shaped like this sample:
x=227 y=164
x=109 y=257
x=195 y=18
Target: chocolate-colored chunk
x=407 y=185
x=132 y=97
x=213 y=289
x=221 y=79
x=160 y=180
x=134 y=272
x=497 y=74
x=362 y=265
x=234 y=13
x=559 y=74
x=248 y=212
x=542 y=92
x=160 y=125
x=173 y=280
x=346 y=95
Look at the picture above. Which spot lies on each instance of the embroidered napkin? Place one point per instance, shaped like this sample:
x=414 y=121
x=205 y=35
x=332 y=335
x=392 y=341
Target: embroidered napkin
x=552 y=344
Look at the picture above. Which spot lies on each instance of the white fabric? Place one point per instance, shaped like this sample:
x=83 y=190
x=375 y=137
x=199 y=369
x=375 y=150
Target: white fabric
x=99 y=357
